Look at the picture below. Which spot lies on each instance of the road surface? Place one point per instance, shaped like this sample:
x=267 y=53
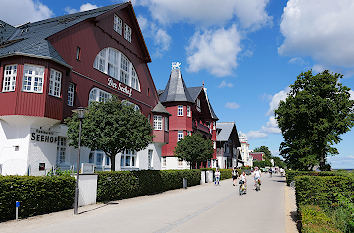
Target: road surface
x=204 y=208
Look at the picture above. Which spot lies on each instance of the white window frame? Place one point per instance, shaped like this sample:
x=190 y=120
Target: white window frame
x=150 y=153
x=180 y=162
x=157 y=122
x=180 y=135
x=71 y=94
x=33 y=78
x=127 y=33
x=61 y=150
x=198 y=105
x=9 y=82
x=164 y=161
x=116 y=65
x=98 y=95
x=188 y=111
x=128 y=159
x=55 y=83
x=117 y=24
x=180 y=110
x=166 y=124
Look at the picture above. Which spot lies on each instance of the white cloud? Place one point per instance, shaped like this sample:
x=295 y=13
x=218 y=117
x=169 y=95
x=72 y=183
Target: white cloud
x=322 y=31
x=215 y=51
x=83 y=7
x=232 y=105
x=317 y=68
x=274 y=103
x=225 y=84
x=341 y=162
x=297 y=60
x=351 y=92
x=271 y=126
x=256 y=134
x=161 y=39
x=19 y=12
x=252 y=13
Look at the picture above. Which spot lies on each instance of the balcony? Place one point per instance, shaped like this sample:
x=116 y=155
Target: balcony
x=201 y=127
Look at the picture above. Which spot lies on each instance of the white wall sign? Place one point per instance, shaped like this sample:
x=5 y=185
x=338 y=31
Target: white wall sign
x=120 y=87
x=43 y=136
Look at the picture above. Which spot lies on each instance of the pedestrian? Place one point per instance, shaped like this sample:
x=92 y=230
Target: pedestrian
x=217 y=176
x=234 y=176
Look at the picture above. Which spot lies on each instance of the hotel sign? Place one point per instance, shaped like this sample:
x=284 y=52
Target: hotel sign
x=39 y=135
x=120 y=87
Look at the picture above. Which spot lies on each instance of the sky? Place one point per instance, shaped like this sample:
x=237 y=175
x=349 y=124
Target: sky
x=246 y=52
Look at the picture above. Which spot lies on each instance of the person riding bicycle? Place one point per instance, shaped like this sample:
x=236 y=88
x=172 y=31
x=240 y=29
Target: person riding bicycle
x=234 y=176
x=243 y=179
x=257 y=175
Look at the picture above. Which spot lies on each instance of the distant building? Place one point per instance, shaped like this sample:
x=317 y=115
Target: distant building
x=227 y=144
x=244 y=149
x=257 y=156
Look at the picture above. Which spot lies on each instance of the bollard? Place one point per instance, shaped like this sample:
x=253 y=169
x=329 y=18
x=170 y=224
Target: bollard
x=17 y=206
x=184 y=183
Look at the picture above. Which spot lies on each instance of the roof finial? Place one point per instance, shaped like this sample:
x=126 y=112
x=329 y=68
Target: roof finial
x=203 y=83
x=176 y=65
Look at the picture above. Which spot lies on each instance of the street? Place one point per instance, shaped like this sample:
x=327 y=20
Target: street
x=204 y=208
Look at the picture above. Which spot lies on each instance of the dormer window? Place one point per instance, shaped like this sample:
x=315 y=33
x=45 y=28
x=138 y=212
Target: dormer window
x=118 y=23
x=198 y=104
x=127 y=33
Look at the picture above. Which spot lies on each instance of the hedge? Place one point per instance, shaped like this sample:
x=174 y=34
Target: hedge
x=126 y=184
x=225 y=174
x=37 y=195
x=291 y=174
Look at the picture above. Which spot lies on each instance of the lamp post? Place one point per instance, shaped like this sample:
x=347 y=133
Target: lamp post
x=80 y=114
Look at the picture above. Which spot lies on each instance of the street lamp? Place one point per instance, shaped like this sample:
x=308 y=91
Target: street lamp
x=81 y=115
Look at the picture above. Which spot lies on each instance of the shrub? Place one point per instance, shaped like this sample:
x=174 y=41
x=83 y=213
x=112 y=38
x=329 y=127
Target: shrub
x=323 y=190
x=291 y=174
x=225 y=174
x=126 y=184
x=38 y=195
x=315 y=220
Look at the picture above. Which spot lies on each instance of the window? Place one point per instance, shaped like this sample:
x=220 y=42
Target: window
x=198 y=104
x=166 y=124
x=157 y=122
x=188 y=111
x=54 y=83
x=127 y=33
x=189 y=133
x=164 y=161
x=98 y=95
x=150 y=159
x=9 y=78
x=115 y=64
x=78 y=53
x=180 y=135
x=180 y=110
x=33 y=78
x=128 y=103
x=117 y=26
x=61 y=149
x=99 y=159
x=91 y=157
x=71 y=94
x=180 y=162
x=128 y=159
x=107 y=161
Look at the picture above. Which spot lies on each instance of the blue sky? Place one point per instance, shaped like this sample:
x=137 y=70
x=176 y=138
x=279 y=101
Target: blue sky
x=246 y=52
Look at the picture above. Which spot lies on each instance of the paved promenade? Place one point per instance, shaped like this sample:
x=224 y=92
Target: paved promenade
x=205 y=208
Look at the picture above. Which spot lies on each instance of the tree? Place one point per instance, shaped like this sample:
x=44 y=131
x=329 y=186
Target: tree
x=265 y=150
x=194 y=149
x=111 y=127
x=315 y=113
x=265 y=163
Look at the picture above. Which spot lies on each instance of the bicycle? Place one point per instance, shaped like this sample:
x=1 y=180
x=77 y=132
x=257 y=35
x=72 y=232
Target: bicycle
x=242 y=189
x=258 y=185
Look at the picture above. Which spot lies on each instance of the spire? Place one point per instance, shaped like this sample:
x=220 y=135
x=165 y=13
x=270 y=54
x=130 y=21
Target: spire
x=176 y=89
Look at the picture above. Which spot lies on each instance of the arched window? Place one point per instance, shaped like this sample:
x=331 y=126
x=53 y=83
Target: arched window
x=98 y=95
x=136 y=107
x=115 y=64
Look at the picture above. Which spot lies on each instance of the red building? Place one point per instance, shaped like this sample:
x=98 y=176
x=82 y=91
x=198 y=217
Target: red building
x=257 y=156
x=50 y=67
x=190 y=111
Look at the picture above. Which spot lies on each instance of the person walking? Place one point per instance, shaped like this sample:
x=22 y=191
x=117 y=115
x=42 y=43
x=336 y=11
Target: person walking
x=217 y=176
x=257 y=175
x=234 y=176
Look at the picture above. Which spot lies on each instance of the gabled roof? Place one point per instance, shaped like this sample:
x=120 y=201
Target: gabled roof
x=225 y=130
x=159 y=108
x=31 y=39
x=176 y=90
x=194 y=92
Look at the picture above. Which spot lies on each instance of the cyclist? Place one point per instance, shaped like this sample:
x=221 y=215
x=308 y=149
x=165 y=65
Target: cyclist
x=243 y=180
x=234 y=176
x=257 y=175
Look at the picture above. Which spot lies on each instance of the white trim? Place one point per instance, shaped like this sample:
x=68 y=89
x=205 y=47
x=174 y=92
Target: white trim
x=117 y=24
x=127 y=33
x=71 y=94
x=55 y=83
x=157 y=122
x=180 y=110
x=33 y=78
x=9 y=81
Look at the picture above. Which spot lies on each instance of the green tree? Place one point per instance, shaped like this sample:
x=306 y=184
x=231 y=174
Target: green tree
x=265 y=149
x=111 y=127
x=194 y=149
x=265 y=163
x=316 y=112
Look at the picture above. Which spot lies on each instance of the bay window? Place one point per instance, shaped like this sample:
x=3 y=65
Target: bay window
x=180 y=110
x=180 y=135
x=33 y=77
x=71 y=94
x=54 y=83
x=10 y=74
x=157 y=122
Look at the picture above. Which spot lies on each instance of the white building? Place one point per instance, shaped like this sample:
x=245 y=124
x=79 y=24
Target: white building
x=245 y=153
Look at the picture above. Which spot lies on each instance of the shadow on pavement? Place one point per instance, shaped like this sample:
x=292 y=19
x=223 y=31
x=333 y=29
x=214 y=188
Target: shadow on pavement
x=99 y=207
